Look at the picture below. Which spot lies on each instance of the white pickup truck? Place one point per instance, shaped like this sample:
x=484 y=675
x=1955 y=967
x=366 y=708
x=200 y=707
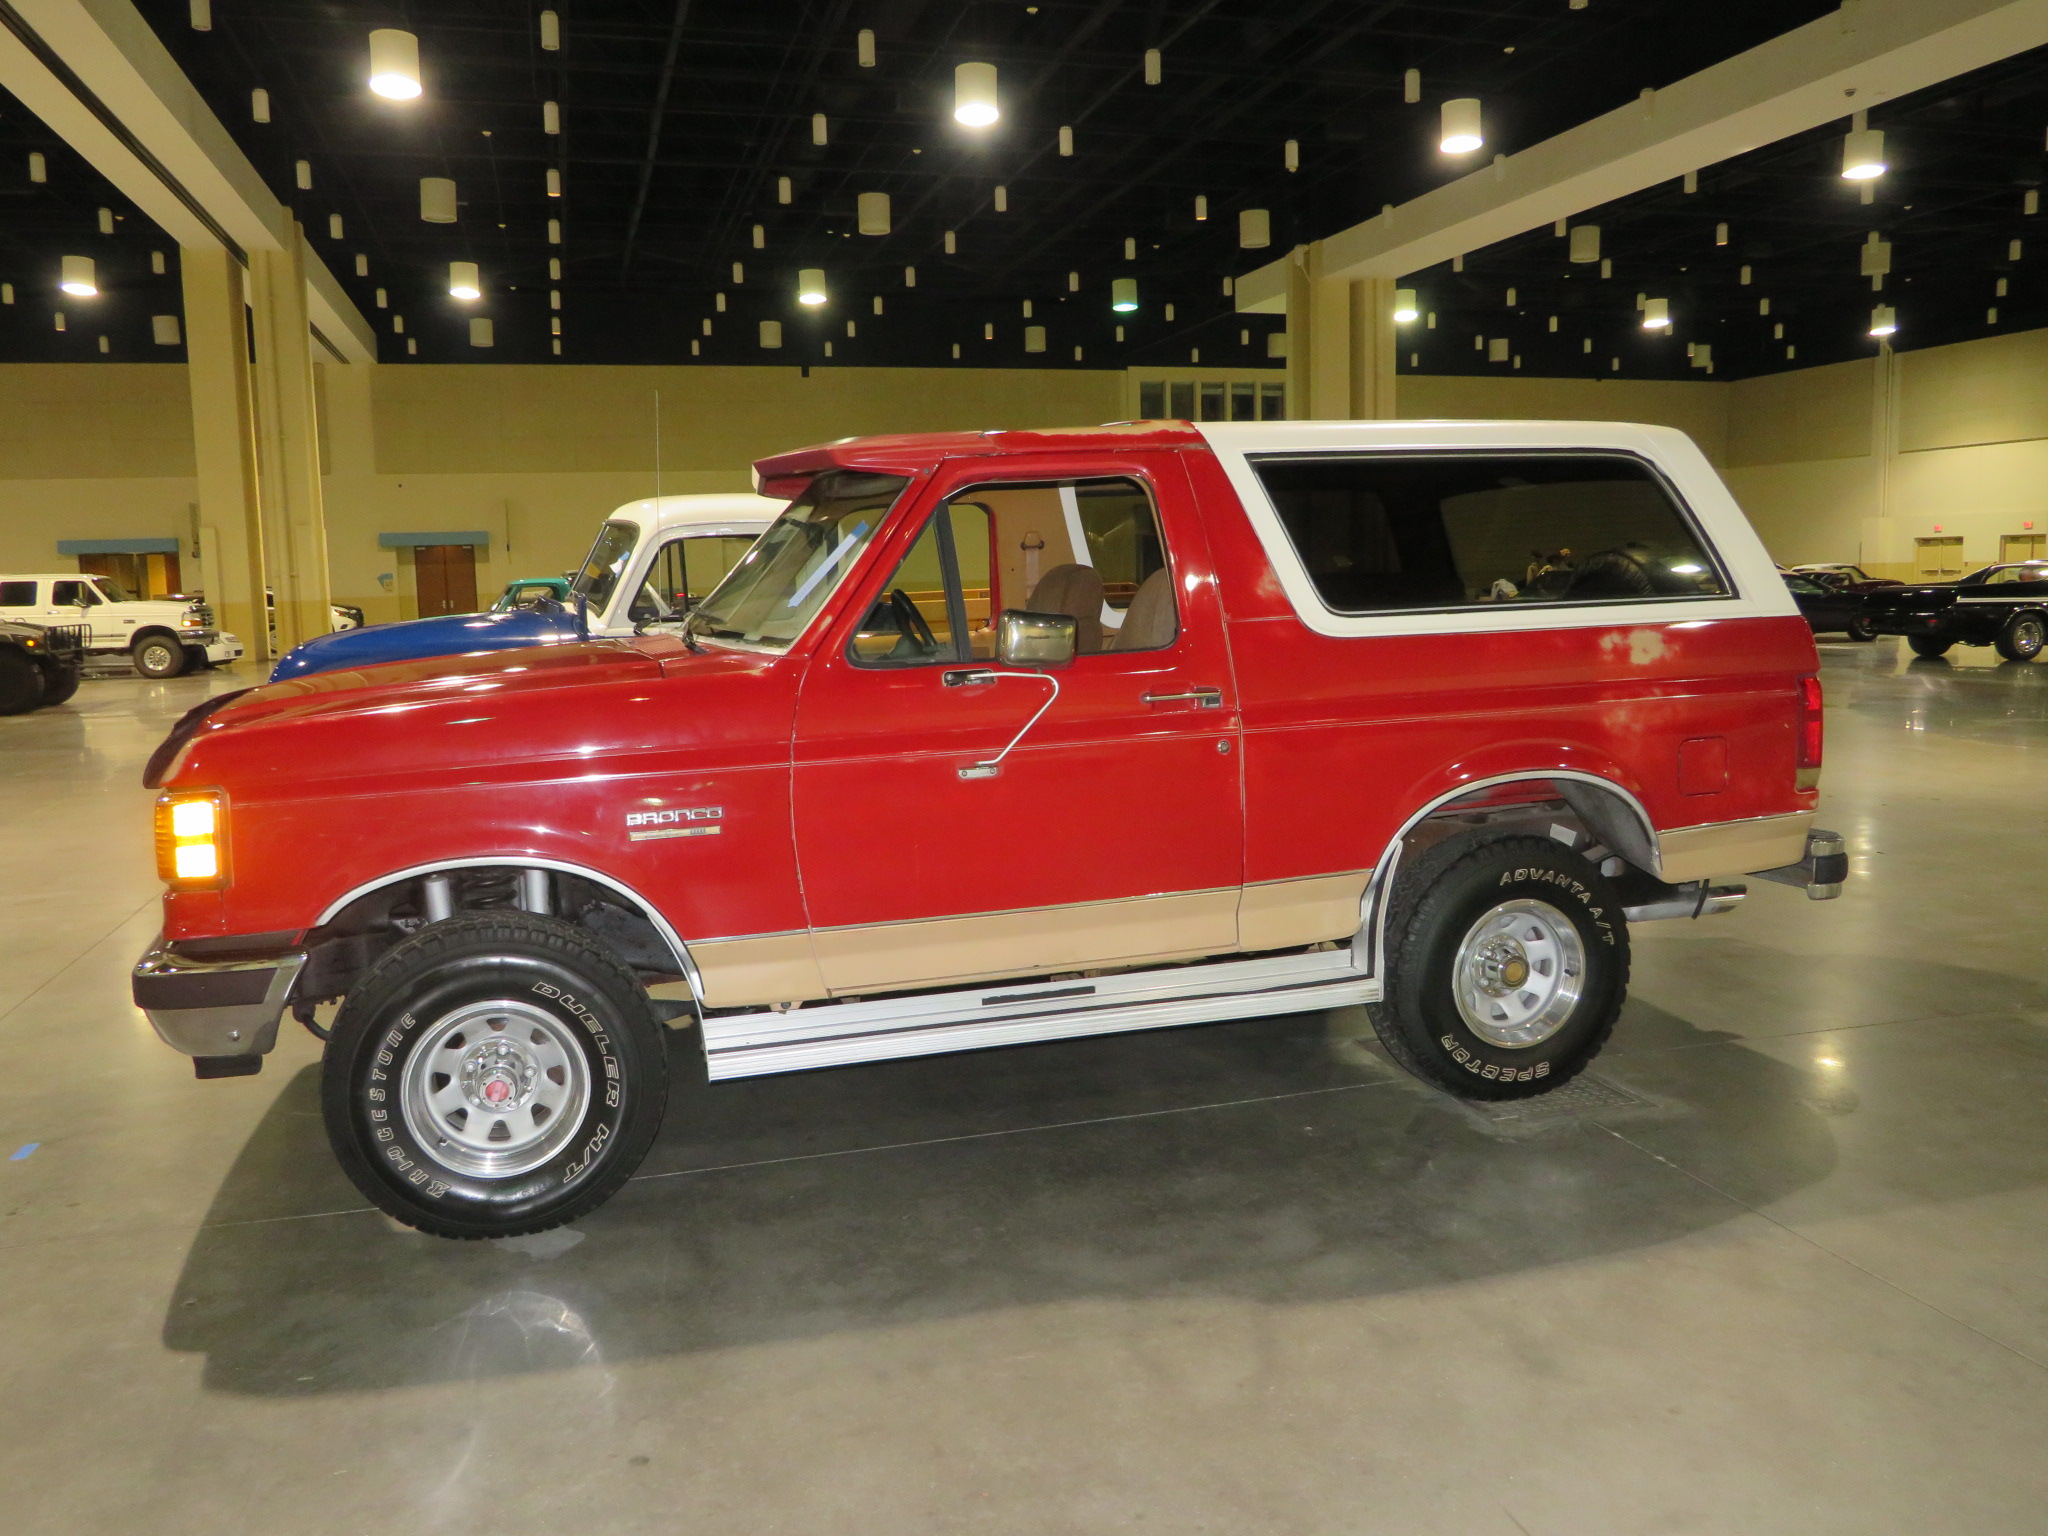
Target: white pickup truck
x=162 y=636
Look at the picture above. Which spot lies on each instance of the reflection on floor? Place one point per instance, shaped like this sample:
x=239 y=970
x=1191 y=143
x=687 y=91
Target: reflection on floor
x=1788 y=1275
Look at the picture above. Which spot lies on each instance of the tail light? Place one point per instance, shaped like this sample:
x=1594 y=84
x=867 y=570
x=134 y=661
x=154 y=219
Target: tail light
x=1809 y=722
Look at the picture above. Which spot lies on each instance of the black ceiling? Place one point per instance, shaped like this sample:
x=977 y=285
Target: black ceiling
x=680 y=116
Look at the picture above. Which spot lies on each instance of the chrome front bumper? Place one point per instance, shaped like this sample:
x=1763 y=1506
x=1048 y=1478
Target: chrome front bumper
x=222 y=648
x=222 y=1013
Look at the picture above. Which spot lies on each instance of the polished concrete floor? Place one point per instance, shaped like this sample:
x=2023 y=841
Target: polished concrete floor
x=1782 y=1267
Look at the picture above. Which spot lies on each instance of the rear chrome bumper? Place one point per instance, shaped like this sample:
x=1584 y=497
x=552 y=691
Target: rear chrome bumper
x=222 y=1013
x=1823 y=870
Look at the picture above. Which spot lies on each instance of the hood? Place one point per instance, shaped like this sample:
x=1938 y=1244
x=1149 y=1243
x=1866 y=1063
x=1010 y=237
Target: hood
x=448 y=634
x=457 y=716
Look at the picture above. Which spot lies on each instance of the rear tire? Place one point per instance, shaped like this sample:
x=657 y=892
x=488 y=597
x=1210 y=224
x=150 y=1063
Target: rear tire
x=21 y=682
x=1929 y=646
x=59 y=683
x=158 y=656
x=2022 y=637
x=1859 y=630
x=495 y=1074
x=1507 y=964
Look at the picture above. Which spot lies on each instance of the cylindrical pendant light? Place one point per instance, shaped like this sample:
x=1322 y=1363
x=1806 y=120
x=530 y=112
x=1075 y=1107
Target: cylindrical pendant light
x=1863 y=155
x=864 y=48
x=1656 y=314
x=164 y=330
x=1123 y=295
x=1462 y=132
x=1405 y=308
x=38 y=167
x=78 y=277
x=362 y=265
x=394 y=64
x=259 y=105
x=760 y=237
x=304 y=171
x=810 y=286
x=910 y=277
x=1254 y=229
x=1155 y=67
x=974 y=95
x=1585 y=249
x=785 y=191
x=1290 y=155
x=437 y=199
x=1067 y=141
x=464 y=282
x=821 y=130
x=1884 y=320
x=554 y=231
x=872 y=210
x=482 y=333
x=1002 y=199
x=1201 y=209
x=1034 y=338
x=551 y=117
x=550 y=31
x=1411 y=86
x=771 y=333
x=1073 y=282
x=334 y=226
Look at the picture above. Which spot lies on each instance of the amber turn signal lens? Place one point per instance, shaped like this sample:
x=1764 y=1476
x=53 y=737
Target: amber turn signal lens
x=191 y=840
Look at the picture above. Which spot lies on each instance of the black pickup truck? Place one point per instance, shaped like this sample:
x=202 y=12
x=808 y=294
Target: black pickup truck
x=2001 y=605
x=39 y=664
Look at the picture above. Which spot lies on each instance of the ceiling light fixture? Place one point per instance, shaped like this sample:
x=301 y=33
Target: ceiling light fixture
x=872 y=213
x=550 y=31
x=1863 y=155
x=1462 y=131
x=437 y=199
x=810 y=286
x=1884 y=321
x=78 y=277
x=394 y=64
x=1585 y=247
x=974 y=95
x=1656 y=314
x=1123 y=295
x=1405 y=307
x=1254 y=229
x=464 y=281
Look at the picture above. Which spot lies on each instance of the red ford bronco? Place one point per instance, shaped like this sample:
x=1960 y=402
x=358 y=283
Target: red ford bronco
x=1006 y=737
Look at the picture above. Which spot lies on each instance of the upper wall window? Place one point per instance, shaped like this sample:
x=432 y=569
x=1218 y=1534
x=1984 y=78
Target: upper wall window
x=1383 y=532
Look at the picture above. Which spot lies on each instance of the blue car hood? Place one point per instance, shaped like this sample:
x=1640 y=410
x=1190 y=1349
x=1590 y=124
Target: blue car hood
x=451 y=634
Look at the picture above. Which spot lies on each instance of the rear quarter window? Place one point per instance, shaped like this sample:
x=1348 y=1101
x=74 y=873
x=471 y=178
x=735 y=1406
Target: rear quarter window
x=1388 y=532
x=17 y=594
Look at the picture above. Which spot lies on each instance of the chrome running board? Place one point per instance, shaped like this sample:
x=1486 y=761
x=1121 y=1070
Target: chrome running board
x=976 y=1018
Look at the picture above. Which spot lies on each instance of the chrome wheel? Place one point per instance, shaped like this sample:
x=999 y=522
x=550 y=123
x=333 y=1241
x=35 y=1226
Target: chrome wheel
x=1518 y=973
x=495 y=1088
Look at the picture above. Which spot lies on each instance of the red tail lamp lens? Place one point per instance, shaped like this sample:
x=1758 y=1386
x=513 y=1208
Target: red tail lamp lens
x=1809 y=722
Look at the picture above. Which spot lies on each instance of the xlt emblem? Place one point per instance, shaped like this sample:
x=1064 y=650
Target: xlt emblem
x=687 y=821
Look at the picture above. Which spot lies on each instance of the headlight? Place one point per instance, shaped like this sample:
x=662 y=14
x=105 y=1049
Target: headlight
x=192 y=840
x=192 y=621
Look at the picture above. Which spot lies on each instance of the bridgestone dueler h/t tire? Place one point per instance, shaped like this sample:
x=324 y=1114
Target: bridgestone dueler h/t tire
x=1449 y=894
x=557 y=987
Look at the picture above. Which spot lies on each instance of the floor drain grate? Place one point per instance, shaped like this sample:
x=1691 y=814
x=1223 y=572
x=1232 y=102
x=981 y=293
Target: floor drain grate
x=1583 y=1095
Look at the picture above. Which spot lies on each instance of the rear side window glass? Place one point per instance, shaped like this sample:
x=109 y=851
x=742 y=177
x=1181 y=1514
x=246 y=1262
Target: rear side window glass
x=17 y=594
x=1387 y=532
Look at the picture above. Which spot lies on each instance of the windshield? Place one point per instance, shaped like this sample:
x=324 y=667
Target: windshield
x=605 y=564
x=770 y=596
x=113 y=591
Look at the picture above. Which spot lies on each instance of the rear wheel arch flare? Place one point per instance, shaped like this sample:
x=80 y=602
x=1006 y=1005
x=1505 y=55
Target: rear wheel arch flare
x=1608 y=811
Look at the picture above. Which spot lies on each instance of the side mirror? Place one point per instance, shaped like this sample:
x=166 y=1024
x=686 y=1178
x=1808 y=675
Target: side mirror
x=1035 y=639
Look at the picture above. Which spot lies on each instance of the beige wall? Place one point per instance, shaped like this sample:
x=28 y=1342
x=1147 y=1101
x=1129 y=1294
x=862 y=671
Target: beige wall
x=1838 y=463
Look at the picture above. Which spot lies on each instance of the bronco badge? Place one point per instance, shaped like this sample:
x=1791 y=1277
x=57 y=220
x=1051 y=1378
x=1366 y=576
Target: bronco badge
x=688 y=821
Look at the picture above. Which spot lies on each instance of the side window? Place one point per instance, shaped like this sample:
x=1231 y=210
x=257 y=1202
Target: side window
x=17 y=594
x=934 y=607
x=65 y=594
x=1091 y=549
x=1388 y=532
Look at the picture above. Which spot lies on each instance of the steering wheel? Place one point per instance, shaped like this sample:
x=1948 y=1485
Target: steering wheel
x=911 y=621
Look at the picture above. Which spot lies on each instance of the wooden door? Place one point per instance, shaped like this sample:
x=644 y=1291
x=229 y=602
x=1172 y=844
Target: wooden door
x=444 y=575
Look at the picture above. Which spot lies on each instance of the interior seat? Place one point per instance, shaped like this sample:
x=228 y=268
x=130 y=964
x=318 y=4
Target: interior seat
x=1151 y=622
x=1075 y=590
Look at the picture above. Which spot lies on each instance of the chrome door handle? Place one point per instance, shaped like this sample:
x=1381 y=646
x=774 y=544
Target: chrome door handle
x=1201 y=698
x=966 y=677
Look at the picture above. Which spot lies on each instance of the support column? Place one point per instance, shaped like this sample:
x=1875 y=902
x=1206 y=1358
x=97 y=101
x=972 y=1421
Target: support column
x=1340 y=343
x=288 y=442
x=349 y=488
x=217 y=371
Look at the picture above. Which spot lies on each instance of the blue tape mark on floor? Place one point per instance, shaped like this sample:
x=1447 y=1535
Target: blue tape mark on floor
x=23 y=1152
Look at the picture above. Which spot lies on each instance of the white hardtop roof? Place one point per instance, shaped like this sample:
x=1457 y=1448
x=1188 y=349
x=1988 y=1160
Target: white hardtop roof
x=725 y=509
x=1310 y=436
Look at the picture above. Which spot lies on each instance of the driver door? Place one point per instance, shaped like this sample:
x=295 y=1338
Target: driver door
x=1111 y=832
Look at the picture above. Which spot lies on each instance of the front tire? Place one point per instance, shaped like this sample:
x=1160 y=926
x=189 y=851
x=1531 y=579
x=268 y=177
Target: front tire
x=495 y=1074
x=2022 y=637
x=158 y=656
x=59 y=683
x=1930 y=646
x=1860 y=631
x=21 y=682
x=1507 y=966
